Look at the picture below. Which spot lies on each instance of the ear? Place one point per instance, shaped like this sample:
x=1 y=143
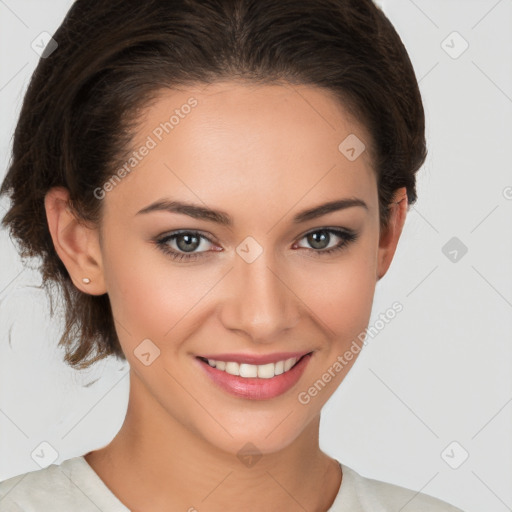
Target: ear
x=389 y=237
x=77 y=245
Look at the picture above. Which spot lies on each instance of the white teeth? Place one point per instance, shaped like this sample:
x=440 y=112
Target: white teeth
x=262 y=371
x=232 y=368
x=248 y=370
x=266 y=371
x=289 y=363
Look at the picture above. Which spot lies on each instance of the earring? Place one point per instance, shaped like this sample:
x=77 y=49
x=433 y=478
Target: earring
x=86 y=280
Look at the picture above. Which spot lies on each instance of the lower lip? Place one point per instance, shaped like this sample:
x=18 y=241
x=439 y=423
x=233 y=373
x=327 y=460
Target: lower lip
x=255 y=388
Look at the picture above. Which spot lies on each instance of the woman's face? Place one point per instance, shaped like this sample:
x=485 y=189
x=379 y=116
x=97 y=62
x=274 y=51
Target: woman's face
x=259 y=280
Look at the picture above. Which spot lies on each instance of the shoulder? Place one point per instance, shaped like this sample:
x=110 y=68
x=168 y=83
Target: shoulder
x=29 y=490
x=56 y=488
x=372 y=495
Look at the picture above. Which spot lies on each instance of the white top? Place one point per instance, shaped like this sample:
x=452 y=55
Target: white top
x=74 y=485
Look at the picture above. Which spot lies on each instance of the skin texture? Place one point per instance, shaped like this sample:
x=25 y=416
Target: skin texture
x=261 y=154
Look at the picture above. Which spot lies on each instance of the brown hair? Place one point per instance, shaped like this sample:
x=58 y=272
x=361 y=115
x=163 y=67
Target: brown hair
x=82 y=104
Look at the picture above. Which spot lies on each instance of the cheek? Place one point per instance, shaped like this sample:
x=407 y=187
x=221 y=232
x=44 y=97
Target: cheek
x=347 y=316
x=152 y=298
x=339 y=294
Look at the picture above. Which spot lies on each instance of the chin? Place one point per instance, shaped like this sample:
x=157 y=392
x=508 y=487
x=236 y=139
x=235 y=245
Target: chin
x=263 y=436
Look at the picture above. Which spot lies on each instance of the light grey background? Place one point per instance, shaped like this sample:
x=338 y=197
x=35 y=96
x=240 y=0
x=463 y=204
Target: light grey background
x=438 y=375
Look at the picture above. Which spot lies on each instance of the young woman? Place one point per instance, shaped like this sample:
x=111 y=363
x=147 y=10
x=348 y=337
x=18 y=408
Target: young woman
x=216 y=186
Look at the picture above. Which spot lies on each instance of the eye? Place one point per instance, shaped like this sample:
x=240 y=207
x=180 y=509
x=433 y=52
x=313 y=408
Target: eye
x=186 y=243
x=321 y=239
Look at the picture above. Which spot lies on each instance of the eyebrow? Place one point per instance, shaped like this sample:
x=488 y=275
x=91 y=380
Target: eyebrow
x=223 y=218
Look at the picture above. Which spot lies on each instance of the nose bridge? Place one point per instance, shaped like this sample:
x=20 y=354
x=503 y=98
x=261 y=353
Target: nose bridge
x=261 y=304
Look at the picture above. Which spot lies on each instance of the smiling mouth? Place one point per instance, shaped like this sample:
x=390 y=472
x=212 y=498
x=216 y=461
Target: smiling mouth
x=262 y=371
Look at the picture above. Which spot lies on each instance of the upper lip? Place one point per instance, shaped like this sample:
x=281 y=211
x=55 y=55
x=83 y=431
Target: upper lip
x=254 y=358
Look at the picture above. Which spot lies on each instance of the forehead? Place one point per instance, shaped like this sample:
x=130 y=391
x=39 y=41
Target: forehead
x=262 y=146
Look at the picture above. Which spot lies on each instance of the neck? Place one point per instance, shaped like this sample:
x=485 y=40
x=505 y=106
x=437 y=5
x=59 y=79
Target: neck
x=155 y=461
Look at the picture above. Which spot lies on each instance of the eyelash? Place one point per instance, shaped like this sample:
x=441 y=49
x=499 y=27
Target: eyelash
x=347 y=236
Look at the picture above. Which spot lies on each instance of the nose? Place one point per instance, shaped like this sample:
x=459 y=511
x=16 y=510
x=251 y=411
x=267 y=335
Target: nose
x=260 y=300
